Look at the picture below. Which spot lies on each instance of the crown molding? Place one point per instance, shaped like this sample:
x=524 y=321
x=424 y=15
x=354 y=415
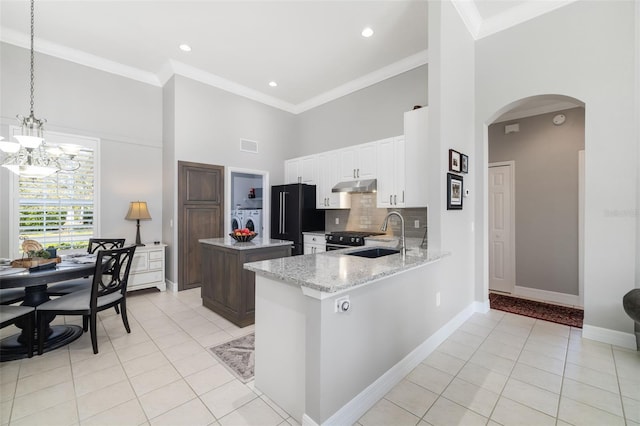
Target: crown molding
x=172 y=68
x=222 y=83
x=517 y=15
x=79 y=57
x=367 y=80
x=480 y=28
x=470 y=16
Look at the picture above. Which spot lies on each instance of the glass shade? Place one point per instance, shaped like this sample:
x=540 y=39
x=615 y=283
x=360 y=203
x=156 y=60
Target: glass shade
x=9 y=147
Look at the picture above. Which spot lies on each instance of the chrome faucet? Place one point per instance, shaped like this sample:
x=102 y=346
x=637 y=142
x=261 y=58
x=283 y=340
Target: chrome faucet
x=401 y=244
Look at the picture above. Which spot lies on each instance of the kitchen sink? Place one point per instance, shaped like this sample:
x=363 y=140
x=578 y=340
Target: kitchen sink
x=373 y=253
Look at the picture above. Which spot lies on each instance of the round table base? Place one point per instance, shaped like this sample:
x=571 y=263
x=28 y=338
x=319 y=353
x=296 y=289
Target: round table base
x=11 y=349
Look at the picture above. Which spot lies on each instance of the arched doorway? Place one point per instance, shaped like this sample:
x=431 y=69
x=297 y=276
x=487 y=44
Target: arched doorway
x=535 y=182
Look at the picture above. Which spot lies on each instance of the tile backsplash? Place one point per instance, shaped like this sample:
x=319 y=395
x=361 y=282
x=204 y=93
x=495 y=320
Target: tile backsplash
x=364 y=216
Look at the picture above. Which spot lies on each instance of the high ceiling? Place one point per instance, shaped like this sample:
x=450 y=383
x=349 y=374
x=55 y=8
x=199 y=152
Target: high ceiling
x=314 y=50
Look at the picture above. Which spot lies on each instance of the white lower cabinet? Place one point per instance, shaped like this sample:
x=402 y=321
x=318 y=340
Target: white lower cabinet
x=313 y=243
x=147 y=268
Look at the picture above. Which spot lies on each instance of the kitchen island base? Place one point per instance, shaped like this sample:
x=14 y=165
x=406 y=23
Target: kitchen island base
x=325 y=367
x=227 y=288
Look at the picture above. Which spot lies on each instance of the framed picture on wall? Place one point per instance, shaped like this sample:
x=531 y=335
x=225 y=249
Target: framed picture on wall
x=464 y=163
x=454 y=161
x=454 y=191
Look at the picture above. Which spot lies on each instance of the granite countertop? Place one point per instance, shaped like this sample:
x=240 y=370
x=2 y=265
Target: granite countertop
x=334 y=271
x=256 y=243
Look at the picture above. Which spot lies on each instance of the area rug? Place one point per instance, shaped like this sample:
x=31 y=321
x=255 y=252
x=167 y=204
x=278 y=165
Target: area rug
x=544 y=311
x=237 y=356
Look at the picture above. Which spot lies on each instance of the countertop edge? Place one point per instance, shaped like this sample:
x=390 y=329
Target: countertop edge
x=258 y=243
x=320 y=292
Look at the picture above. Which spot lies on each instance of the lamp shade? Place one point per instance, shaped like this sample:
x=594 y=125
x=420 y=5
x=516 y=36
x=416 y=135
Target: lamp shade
x=138 y=211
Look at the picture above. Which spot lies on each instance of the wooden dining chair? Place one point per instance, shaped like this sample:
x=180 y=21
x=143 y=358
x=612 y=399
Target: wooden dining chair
x=9 y=296
x=71 y=286
x=11 y=314
x=108 y=289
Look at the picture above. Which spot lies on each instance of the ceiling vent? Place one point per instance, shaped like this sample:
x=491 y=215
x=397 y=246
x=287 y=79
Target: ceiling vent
x=248 y=146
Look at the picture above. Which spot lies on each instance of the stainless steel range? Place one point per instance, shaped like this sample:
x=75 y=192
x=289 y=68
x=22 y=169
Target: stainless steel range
x=343 y=239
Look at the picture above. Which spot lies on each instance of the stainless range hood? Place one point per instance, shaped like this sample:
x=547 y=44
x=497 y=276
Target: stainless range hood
x=363 y=185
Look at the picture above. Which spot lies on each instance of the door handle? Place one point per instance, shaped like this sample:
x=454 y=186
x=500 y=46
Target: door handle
x=358 y=172
x=395 y=200
x=390 y=199
x=354 y=173
x=284 y=212
x=280 y=215
x=403 y=195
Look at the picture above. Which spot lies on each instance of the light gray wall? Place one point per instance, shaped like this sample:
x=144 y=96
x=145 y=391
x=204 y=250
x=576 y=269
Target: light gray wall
x=124 y=114
x=206 y=125
x=546 y=196
x=560 y=53
x=451 y=112
x=370 y=114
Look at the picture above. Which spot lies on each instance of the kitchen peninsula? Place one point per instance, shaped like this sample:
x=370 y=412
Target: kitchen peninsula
x=227 y=288
x=318 y=360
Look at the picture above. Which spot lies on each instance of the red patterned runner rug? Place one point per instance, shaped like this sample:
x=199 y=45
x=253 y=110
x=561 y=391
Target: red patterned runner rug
x=540 y=310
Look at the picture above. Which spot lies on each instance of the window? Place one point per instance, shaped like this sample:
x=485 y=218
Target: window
x=60 y=210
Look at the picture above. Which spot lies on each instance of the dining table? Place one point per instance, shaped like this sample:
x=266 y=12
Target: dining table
x=35 y=283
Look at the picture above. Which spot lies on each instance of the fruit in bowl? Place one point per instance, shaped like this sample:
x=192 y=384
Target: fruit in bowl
x=243 y=235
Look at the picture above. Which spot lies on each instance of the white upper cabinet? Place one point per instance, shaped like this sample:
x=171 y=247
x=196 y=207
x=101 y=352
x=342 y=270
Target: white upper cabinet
x=358 y=162
x=301 y=170
x=328 y=177
x=391 y=172
x=416 y=158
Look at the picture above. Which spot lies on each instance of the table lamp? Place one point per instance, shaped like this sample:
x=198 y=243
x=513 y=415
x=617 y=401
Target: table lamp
x=137 y=211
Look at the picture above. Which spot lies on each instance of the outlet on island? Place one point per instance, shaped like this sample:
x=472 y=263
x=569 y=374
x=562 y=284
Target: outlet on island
x=416 y=224
x=337 y=221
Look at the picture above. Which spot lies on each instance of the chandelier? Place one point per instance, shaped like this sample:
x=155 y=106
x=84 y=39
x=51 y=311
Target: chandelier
x=31 y=156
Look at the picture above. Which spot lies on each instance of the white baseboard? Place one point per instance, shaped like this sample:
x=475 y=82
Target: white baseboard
x=547 y=296
x=171 y=286
x=358 y=406
x=612 y=337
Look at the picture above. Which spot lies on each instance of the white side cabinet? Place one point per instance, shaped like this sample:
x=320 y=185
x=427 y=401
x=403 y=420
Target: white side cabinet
x=403 y=165
x=313 y=243
x=147 y=268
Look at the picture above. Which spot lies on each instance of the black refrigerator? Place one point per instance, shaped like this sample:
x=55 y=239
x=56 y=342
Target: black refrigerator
x=293 y=211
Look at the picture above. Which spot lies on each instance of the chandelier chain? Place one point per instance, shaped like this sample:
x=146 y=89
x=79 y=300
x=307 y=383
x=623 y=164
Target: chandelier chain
x=32 y=78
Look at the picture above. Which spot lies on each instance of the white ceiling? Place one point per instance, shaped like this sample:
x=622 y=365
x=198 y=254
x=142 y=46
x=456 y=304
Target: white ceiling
x=312 y=49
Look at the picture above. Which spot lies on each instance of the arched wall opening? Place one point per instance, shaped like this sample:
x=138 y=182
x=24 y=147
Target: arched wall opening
x=541 y=161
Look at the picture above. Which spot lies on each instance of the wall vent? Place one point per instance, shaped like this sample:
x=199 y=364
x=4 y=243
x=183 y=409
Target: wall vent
x=511 y=128
x=248 y=146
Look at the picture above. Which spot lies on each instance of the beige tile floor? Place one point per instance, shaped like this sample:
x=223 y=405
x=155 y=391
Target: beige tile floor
x=495 y=369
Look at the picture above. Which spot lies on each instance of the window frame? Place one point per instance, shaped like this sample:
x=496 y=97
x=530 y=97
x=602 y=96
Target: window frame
x=14 y=196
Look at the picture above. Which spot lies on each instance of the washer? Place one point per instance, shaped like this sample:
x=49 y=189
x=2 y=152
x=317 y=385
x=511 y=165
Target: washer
x=253 y=220
x=237 y=219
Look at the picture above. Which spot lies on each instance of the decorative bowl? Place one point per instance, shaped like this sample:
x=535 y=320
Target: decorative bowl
x=243 y=238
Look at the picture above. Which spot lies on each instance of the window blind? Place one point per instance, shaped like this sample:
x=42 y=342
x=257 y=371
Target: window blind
x=58 y=210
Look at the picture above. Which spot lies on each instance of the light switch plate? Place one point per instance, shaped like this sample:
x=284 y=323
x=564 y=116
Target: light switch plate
x=416 y=224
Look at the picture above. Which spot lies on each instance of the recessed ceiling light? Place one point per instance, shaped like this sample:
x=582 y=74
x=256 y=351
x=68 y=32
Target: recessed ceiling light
x=185 y=48
x=273 y=84
x=367 y=32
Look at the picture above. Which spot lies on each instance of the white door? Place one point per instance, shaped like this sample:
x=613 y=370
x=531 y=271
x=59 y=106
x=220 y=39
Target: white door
x=501 y=229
